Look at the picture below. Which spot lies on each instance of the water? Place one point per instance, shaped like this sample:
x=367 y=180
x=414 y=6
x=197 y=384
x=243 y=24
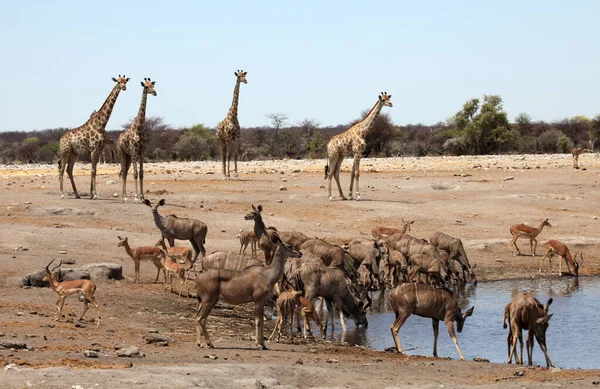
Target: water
x=572 y=337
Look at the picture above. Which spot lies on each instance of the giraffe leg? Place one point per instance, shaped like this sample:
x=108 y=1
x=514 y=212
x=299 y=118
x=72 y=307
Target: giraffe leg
x=224 y=158
x=352 y=175
x=61 y=173
x=336 y=175
x=125 y=163
x=235 y=159
x=229 y=162
x=93 y=191
x=72 y=158
x=357 y=175
x=134 y=162
x=141 y=162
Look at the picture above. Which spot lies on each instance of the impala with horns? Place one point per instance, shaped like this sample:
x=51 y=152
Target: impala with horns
x=525 y=312
x=554 y=247
x=427 y=301
x=254 y=284
x=85 y=288
x=524 y=231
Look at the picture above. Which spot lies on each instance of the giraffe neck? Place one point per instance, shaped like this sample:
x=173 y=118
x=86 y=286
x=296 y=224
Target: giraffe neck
x=104 y=112
x=138 y=122
x=365 y=125
x=234 y=104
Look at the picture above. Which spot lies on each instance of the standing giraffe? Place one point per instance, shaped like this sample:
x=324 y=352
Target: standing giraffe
x=352 y=142
x=89 y=138
x=132 y=144
x=576 y=152
x=228 y=130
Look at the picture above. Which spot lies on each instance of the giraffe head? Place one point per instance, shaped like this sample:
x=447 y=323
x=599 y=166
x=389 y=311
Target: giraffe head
x=386 y=99
x=122 y=80
x=149 y=86
x=241 y=75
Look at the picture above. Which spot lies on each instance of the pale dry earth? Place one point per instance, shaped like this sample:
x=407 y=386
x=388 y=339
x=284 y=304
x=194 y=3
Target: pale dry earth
x=474 y=198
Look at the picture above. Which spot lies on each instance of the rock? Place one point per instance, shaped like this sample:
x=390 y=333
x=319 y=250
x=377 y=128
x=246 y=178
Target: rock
x=212 y=357
x=279 y=201
x=130 y=352
x=15 y=345
x=152 y=331
x=332 y=360
x=20 y=314
x=509 y=178
x=149 y=339
x=79 y=324
x=91 y=354
x=104 y=271
x=596 y=382
x=110 y=182
x=477 y=359
x=519 y=373
x=556 y=370
x=61 y=211
x=11 y=367
x=62 y=252
x=282 y=188
x=117 y=228
x=68 y=261
x=299 y=362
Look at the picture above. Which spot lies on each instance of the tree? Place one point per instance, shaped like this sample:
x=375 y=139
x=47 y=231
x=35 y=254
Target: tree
x=49 y=151
x=277 y=121
x=308 y=127
x=485 y=129
x=381 y=134
x=194 y=144
x=316 y=145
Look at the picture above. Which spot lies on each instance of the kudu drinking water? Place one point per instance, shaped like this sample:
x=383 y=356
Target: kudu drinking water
x=254 y=284
x=427 y=301
x=454 y=247
x=173 y=227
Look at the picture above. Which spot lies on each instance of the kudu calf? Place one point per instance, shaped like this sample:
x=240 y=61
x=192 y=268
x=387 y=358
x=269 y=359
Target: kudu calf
x=427 y=301
x=247 y=238
x=172 y=227
x=526 y=312
x=254 y=284
x=86 y=289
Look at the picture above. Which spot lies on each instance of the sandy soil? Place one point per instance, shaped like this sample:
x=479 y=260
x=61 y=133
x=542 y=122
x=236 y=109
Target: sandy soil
x=476 y=199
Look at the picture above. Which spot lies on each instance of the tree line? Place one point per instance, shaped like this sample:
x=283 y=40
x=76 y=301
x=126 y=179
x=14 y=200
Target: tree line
x=480 y=127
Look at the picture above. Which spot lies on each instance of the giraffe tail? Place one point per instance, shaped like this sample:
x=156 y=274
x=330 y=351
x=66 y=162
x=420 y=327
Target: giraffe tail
x=59 y=164
x=326 y=167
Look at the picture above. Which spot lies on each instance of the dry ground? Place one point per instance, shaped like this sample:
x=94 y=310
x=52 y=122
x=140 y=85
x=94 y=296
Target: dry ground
x=476 y=199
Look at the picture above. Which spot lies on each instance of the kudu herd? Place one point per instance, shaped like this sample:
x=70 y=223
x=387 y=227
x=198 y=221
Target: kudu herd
x=298 y=269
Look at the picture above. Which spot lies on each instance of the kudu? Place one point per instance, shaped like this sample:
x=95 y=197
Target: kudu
x=454 y=247
x=229 y=261
x=142 y=253
x=247 y=238
x=263 y=234
x=293 y=238
x=286 y=307
x=64 y=289
x=554 y=247
x=331 y=284
x=526 y=312
x=173 y=227
x=383 y=232
x=521 y=230
x=254 y=284
x=427 y=301
x=432 y=267
x=333 y=256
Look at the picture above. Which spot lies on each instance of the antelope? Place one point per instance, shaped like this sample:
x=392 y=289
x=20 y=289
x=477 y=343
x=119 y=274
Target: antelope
x=229 y=261
x=263 y=234
x=454 y=248
x=383 y=232
x=174 y=269
x=332 y=256
x=286 y=306
x=172 y=227
x=86 y=288
x=576 y=152
x=427 y=301
x=308 y=312
x=247 y=237
x=254 y=284
x=434 y=268
x=293 y=238
x=521 y=230
x=142 y=253
x=526 y=312
x=177 y=252
x=555 y=247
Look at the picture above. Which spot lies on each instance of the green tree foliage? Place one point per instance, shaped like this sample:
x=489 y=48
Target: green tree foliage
x=485 y=129
x=49 y=151
x=194 y=144
x=316 y=145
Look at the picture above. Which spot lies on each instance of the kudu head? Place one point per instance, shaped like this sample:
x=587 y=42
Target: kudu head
x=407 y=224
x=50 y=272
x=255 y=214
x=154 y=208
x=460 y=318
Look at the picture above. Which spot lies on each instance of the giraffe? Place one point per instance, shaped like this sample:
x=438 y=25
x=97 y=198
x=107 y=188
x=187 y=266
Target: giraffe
x=88 y=138
x=228 y=130
x=352 y=142
x=110 y=151
x=576 y=152
x=132 y=144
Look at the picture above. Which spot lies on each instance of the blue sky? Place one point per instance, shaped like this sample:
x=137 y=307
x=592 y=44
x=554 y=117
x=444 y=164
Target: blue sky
x=327 y=60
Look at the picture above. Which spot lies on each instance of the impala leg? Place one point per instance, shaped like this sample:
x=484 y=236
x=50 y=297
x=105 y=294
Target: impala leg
x=91 y=299
x=85 y=307
x=436 y=331
x=137 y=271
x=542 y=261
x=533 y=243
x=513 y=243
x=275 y=328
x=292 y=325
x=59 y=306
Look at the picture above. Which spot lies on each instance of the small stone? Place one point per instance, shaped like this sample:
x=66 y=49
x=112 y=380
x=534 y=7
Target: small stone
x=282 y=188
x=271 y=214
x=20 y=314
x=223 y=231
x=284 y=180
x=477 y=359
x=110 y=182
x=115 y=195
x=130 y=352
x=11 y=367
x=79 y=324
x=153 y=331
x=322 y=187
x=299 y=362
x=212 y=357
x=62 y=252
x=509 y=178
x=556 y=370
x=332 y=360
x=28 y=202
x=279 y=200
x=116 y=228
x=91 y=354
x=519 y=373
x=596 y=382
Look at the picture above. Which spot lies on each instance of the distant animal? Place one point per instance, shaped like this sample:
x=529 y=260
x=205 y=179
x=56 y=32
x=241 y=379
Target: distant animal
x=554 y=247
x=521 y=230
x=142 y=253
x=247 y=237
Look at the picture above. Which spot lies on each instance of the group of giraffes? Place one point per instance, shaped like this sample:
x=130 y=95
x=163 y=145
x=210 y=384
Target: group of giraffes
x=91 y=138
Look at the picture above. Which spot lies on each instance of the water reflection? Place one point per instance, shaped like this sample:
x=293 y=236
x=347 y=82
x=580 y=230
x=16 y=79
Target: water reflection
x=572 y=338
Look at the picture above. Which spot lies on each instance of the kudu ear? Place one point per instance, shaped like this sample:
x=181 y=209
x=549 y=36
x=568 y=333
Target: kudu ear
x=253 y=208
x=148 y=203
x=259 y=208
x=469 y=312
x=161 y=202
x=544 y=319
